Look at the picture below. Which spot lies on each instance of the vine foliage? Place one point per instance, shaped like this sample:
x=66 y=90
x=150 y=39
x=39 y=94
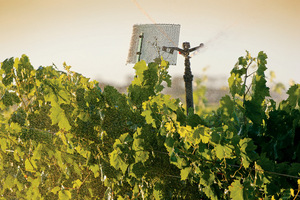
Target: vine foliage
x=62 y=137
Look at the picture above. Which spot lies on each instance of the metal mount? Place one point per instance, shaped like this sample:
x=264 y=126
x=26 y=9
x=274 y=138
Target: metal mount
x=188 y=76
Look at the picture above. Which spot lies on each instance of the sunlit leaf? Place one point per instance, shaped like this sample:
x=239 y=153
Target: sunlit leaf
x=64 y=194
x=184 y=173
x=236 y=190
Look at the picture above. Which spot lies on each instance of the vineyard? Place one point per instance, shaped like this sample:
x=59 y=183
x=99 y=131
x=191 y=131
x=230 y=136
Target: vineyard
x=63 y=137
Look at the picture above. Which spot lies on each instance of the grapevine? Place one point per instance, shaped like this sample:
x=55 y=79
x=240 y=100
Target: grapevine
x=63 y=137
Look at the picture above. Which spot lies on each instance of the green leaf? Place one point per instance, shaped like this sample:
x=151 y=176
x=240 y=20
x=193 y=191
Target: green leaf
x=3 y=144
x=141 y=156
x=148 y=117
x=137 y=170
x=201 y=135
x=226 y=106
x=157 y=192
x=207 y=180
x=246 y=143
x=184 y=173
x=7 y=66
x=20 y=185
x=235 y=84
x=294 y=95
x=210 y=192
x=9 y=182
x=223 y=152
x=59 y=159
x=236 y=190
x=246 y=148
x=169 y=142
x=64 y=194
x=58 y=117
x=19 y=117
x=207 y=177
x=16 y=156
x=120 y=198
x=163 y=73
x=78 y=171
x=126 y=138
x=117 y=162
x=262 y=61
x=140 y=67
x=55 y=189
x=254 y=112
x=259 y=88
x=77 y=183
x=10 y=98
x=30 y=165
x=193 y=120
x=95 y=169
x=242 y=61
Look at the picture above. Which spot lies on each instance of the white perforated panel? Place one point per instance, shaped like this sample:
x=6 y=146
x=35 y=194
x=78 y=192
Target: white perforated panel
x=155 y=36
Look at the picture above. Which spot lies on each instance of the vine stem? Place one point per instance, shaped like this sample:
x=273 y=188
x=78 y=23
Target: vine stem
x=297 y=192
x=83 y=181
x=18 y=88
x=245 y=80
x=248 y=88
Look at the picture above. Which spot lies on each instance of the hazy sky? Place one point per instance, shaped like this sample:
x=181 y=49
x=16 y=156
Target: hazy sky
x=93 y=36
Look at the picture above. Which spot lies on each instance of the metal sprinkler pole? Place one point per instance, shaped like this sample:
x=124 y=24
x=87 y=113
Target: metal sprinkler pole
x=188 y=81
x=141 y=37
x=188 y=77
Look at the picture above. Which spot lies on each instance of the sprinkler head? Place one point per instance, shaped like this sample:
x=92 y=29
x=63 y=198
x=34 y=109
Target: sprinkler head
x=186 y=45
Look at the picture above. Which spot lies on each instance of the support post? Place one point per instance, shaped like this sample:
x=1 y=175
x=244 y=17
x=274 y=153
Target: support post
x=188 y=77
x=188 y=80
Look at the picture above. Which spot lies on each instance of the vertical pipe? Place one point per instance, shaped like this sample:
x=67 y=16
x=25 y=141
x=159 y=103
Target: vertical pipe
x=188 y=79
x=139 y=52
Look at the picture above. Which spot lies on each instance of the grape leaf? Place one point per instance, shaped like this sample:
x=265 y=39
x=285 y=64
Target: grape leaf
x=64 y=194
x=58 y=117
x=236 y=190
x=117 y=162
x=184 y=173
